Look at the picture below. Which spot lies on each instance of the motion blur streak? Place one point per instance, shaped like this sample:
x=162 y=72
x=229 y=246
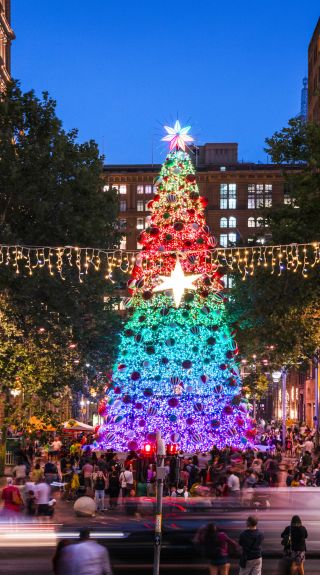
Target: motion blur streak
x=15 y=535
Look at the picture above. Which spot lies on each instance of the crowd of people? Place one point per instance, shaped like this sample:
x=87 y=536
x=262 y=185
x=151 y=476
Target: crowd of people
x=71 y=466
x=216 y=547
x=110 y=477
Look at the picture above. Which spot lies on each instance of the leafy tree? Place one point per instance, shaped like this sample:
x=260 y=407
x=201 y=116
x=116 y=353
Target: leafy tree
x=283 y=312
x=33 y=362
x=297 y=146
x=51 y=193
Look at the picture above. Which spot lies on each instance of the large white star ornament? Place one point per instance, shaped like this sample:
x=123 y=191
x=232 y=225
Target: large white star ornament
x=177 y=136
x=177 y=282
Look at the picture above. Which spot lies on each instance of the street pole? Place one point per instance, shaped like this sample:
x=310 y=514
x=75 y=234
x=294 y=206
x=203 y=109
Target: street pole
x=161 y=472
x=284 y=406
x=316 y=396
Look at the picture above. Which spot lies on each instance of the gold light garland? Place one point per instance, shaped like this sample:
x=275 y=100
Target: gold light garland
x=292 y=257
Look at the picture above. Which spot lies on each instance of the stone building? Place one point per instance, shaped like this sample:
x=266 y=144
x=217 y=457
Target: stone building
x=314 y=76
x=6 y=37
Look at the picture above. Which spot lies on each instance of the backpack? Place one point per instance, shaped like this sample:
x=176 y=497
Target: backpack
x=16 y=497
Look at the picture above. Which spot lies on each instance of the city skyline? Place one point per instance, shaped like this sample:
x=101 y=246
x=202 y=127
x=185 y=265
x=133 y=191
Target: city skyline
x=235 y=76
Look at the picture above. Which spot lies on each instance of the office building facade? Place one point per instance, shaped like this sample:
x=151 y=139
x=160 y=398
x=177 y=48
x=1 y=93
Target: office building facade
x=236 y=193
x=314 y=76
x=6 y=37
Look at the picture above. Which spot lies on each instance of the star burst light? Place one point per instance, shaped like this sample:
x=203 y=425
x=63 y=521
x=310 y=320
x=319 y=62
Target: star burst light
x=177 y=282
x=177 y=136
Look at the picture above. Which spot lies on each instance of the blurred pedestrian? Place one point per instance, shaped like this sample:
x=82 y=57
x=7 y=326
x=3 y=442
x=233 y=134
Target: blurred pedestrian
x=214 y=545
x=42 y=492
x=13 y=502
x=251 y=540
x=57 y=558
x=84 y=558
x=87 y=471
x=294 y=543
x=31 y=503
x=36 y=473
x=126 y=481
x=20 y=472
x=114 y=489
x=99 y=487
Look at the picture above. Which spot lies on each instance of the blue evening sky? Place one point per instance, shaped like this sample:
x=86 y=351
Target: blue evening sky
x=121 y=69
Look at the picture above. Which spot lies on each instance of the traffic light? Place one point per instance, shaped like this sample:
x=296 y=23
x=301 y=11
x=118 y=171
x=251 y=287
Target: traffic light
x=147 y=449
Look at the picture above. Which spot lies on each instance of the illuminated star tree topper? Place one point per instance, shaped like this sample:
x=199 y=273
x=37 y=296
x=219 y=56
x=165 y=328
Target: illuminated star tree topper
x=177 y=282
x=177 y=136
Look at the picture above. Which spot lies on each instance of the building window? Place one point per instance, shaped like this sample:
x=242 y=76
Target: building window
x=287 y=198
x=122 y=224
x=141 y=189
x=227 y=239
x=228 y=222
x=224 y=240
x=123 y=243
x=228 y=196
x=121 y=188
x=259 y=196
x=140 y=206
x=155 y=189
x=123 y=206
x=140 y=223
x=228 y=281
x=139 y=246
x=257 y=223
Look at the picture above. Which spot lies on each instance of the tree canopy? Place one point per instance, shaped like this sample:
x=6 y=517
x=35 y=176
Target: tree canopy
x=51 y=193
x=283 y=312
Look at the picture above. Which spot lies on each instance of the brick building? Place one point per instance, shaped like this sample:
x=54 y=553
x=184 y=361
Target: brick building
x=236 y=193
x=6 y=37
x=314 y=76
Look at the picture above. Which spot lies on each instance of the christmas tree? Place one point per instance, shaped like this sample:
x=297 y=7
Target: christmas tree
x=176 y=370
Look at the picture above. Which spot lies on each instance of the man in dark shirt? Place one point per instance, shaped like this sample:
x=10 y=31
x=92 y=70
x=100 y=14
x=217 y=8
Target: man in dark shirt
x=251 y=540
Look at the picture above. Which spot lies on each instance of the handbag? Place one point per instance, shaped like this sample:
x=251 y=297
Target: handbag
x=287 y=544
x=244 y=558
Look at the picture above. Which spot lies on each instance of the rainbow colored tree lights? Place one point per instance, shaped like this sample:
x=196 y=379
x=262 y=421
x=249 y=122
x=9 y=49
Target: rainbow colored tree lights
x=176 y=368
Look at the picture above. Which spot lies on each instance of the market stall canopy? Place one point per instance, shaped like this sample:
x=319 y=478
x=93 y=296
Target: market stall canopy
x=73 y=425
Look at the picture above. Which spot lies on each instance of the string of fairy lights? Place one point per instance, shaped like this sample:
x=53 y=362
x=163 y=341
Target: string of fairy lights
x=25 y=260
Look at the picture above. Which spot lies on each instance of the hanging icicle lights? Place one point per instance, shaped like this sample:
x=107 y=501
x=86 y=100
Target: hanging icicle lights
x=297 y=258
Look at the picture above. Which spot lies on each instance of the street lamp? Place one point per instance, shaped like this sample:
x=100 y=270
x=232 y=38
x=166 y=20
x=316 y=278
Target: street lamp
x=276 y=376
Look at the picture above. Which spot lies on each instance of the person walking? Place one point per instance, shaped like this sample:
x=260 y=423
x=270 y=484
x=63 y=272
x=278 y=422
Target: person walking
x=84 y=558
x=251 y=540
x=233 y=482
x=99 y=488
x=215 y=546
x=294 y=542
x=36 y=474
x=87 y=471
x=114 y=489
x=20 y=472
x=12 y=499
x=42 y=492
x=126 y=482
